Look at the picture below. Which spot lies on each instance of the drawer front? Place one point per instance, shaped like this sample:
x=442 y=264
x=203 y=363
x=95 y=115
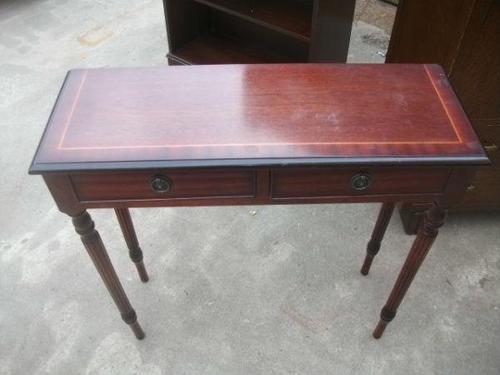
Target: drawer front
x=330 y=182
x=174 y=184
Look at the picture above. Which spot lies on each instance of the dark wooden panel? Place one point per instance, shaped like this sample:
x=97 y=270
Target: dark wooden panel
x=428 y=31
x=490 y=138
x=184 y=184
x=211 y=187
x=236 y=41
x=244 y=201
x=324 y=182
x=464 y=37
x=185 y=20
x=247 y=32
x=483 y=193
x=476 y=73
x=326 y=24
x=331 y=30
x=291 y=17
x=230 y=114
x=61 y=189
x=211 y=48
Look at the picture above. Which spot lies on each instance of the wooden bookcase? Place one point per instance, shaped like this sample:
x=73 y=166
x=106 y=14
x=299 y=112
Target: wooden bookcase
x=257 y=31
x=462 y=36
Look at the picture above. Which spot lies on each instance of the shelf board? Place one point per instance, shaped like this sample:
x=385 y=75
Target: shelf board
x=292 y=18
x=212 y=49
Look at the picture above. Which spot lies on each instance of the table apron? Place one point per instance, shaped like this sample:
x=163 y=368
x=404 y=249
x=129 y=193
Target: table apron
x=247 y=186
x=224 y=201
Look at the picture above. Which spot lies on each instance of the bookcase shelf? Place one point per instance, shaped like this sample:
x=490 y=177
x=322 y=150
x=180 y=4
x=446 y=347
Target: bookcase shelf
x=258 y=31
x=292 y=18
x=212 y=49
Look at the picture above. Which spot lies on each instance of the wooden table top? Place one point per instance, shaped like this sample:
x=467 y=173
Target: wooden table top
x=241 y=115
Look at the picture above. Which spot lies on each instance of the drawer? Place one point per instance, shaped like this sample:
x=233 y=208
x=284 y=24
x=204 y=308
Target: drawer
x=326 y=181
x=172 y=184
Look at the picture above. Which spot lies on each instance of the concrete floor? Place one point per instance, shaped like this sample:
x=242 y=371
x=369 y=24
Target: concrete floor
x=239 y=290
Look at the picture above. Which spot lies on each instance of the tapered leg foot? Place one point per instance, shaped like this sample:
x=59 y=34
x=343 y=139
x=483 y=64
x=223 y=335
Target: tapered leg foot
x=131 y=319
x=141 y=270
x=371 y=250
x=385 y=317
x=379 y=330
x=373 y=247
x=138 y=332
x=91 y=239
x=135 y=252
x=433 y=220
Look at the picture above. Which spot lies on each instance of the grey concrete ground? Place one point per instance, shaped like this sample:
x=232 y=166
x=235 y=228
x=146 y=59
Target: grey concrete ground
x=239 y=290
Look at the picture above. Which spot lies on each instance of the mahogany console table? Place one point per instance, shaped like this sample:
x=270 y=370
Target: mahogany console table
x=256 y=134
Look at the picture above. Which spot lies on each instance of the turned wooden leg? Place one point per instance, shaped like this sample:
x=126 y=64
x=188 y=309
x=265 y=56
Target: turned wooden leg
x=373 y=247
x=91 y=239
x=428 y=231
x=135 y=251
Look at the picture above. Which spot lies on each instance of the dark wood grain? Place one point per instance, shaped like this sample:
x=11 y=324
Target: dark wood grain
x=233 y=40
x=91 y=239
x=112 y=189
x=289 y=17
x=229 y=114
x=258 y=31
x=234 y=135
x=476 y=79
x=184 y=20
x=62 y=190
x=208 y=186
x=324 y=181
x=434 y=219
x=428 y=31
x=135 y=252
x=211 y=48
x=373 y=246
x=331 y=30
x=184 y=184
x=251 y=34
x=482 y=192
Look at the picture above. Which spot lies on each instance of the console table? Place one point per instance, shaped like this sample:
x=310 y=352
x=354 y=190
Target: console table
x=256 y=134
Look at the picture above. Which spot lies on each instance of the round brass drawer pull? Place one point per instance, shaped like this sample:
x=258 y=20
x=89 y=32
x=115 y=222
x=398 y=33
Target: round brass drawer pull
x=361 y=181
x=161 y=184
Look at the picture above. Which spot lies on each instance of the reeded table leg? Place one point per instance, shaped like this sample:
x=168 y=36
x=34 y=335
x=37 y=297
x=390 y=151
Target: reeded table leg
x=373 y=247
x=135 y=252
x=91 y=239
x=426 y=235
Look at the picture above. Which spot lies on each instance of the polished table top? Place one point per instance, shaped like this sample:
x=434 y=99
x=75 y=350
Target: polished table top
x=239 y=115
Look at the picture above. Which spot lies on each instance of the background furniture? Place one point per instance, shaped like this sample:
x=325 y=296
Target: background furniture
x=256 y=134
x=464 y=37
x=257 y=31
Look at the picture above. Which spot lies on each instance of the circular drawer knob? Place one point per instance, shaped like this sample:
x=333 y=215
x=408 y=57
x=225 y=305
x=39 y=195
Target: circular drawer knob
x=361 y=181
x=161 y=184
